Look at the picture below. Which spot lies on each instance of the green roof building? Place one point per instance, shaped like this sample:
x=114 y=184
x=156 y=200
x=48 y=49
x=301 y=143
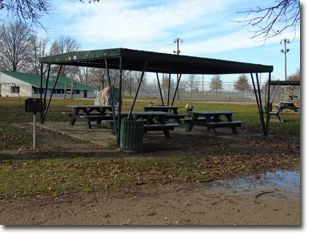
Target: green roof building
x=28 y=85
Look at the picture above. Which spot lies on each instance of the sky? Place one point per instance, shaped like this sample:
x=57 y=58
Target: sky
x=207 y=28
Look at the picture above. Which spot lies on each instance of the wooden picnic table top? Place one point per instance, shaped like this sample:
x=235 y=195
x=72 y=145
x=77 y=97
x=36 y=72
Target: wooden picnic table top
x=161 y=107
x=153 y=113
x=89 y=106
x=287 y=102
x=212 y=112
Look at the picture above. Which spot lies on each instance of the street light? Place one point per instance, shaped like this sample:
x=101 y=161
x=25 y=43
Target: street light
x=285 y=51
x=177 y=41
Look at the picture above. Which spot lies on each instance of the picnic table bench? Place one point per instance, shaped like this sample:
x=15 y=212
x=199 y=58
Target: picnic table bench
x=89 y=113
x=172 y=110
x=154 y=121
x=284 y=105
x=212 y=120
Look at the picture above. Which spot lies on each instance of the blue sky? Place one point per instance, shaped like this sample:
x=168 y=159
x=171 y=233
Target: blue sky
x=207 y=27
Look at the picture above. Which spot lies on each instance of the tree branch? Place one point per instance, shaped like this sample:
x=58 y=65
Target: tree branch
x=272 y=21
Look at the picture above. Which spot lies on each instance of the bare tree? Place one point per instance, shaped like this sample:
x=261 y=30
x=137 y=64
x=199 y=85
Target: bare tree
x=26 y=11
x=29 y=12
x=193 y=83
x=165 y=84
x=273 y=20
x=242 y=84
x=295 y=76
x=97 y=78
x=15 y=46
x=39 y=49
x=216 y=84
x=65 y=44
x=128 y=82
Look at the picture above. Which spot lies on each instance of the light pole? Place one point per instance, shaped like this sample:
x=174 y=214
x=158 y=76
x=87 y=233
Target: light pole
x=177 y=41
x=285 y=51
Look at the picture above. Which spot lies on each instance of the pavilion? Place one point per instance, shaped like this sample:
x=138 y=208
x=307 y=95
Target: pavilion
x=146 y=61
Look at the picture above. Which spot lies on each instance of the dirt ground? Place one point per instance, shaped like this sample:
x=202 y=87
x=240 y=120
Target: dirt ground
x=173 y=204
x=209 y=203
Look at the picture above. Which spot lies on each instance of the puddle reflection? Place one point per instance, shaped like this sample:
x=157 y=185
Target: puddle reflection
x=283 y=180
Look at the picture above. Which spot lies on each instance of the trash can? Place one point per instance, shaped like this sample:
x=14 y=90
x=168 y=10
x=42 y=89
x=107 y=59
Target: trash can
x=131 y=135
x=268 y=106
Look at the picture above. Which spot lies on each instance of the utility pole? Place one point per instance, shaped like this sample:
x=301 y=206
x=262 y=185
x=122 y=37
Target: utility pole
x=177 y=41
x=285 y=51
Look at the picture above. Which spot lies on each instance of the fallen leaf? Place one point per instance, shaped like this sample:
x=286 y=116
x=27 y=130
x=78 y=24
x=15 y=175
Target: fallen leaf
x=151 y=213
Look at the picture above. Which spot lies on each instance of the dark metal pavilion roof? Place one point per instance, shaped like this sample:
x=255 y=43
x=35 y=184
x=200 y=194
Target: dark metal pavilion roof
x=157 y=62
x=285 y=83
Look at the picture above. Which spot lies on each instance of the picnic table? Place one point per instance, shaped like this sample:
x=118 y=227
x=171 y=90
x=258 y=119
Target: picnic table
x=287 y=105
x=154 y=121
x=89 y=113
x=213 y=119
x=284 y=105
x=172 y=110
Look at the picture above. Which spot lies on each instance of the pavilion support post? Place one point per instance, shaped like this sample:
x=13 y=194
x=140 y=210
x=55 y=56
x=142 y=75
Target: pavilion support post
x=52 y=92
x=176 y=89
x=120 y=99
x=136 y=95
x=169 y=87
x=261 y=105
x=268 y=111
x=259 y=102
x=41 y=89
x=111 y=95
x=161 y=95
x=46 y=85
x=42 y=114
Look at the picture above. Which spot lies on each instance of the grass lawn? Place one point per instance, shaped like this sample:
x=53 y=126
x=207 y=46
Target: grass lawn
x=52 y=172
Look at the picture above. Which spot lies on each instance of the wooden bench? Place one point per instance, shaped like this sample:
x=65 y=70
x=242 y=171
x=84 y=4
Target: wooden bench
x=280 y=109
x=231 y=124
x=68 y=113
x=188 y=120
x=161 y=127
x=95 y=117
x=157 y=127
x=277 y=113
x=177 y=117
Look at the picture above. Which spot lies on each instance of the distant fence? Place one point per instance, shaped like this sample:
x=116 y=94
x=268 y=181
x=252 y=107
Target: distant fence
x=226 y=94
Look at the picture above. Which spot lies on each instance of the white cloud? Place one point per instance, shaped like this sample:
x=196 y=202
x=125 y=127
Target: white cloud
x=233 y=41
x=204 y=25
x=132 y=24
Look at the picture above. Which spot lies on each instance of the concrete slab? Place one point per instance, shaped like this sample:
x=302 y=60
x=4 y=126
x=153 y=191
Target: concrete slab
x=152 y=141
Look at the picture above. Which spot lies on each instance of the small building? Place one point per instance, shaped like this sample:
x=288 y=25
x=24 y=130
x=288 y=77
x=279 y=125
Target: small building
x=13 y=84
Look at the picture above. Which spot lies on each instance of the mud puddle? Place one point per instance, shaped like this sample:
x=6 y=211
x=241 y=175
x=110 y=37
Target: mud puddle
x=287 y=182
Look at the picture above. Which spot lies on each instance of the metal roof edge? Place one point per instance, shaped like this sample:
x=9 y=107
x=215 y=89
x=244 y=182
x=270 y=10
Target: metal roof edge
x=159 y=61
x=285 y=83
x=79 y=55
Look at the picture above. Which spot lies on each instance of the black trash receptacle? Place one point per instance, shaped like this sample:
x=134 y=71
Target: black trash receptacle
x=131 y=135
